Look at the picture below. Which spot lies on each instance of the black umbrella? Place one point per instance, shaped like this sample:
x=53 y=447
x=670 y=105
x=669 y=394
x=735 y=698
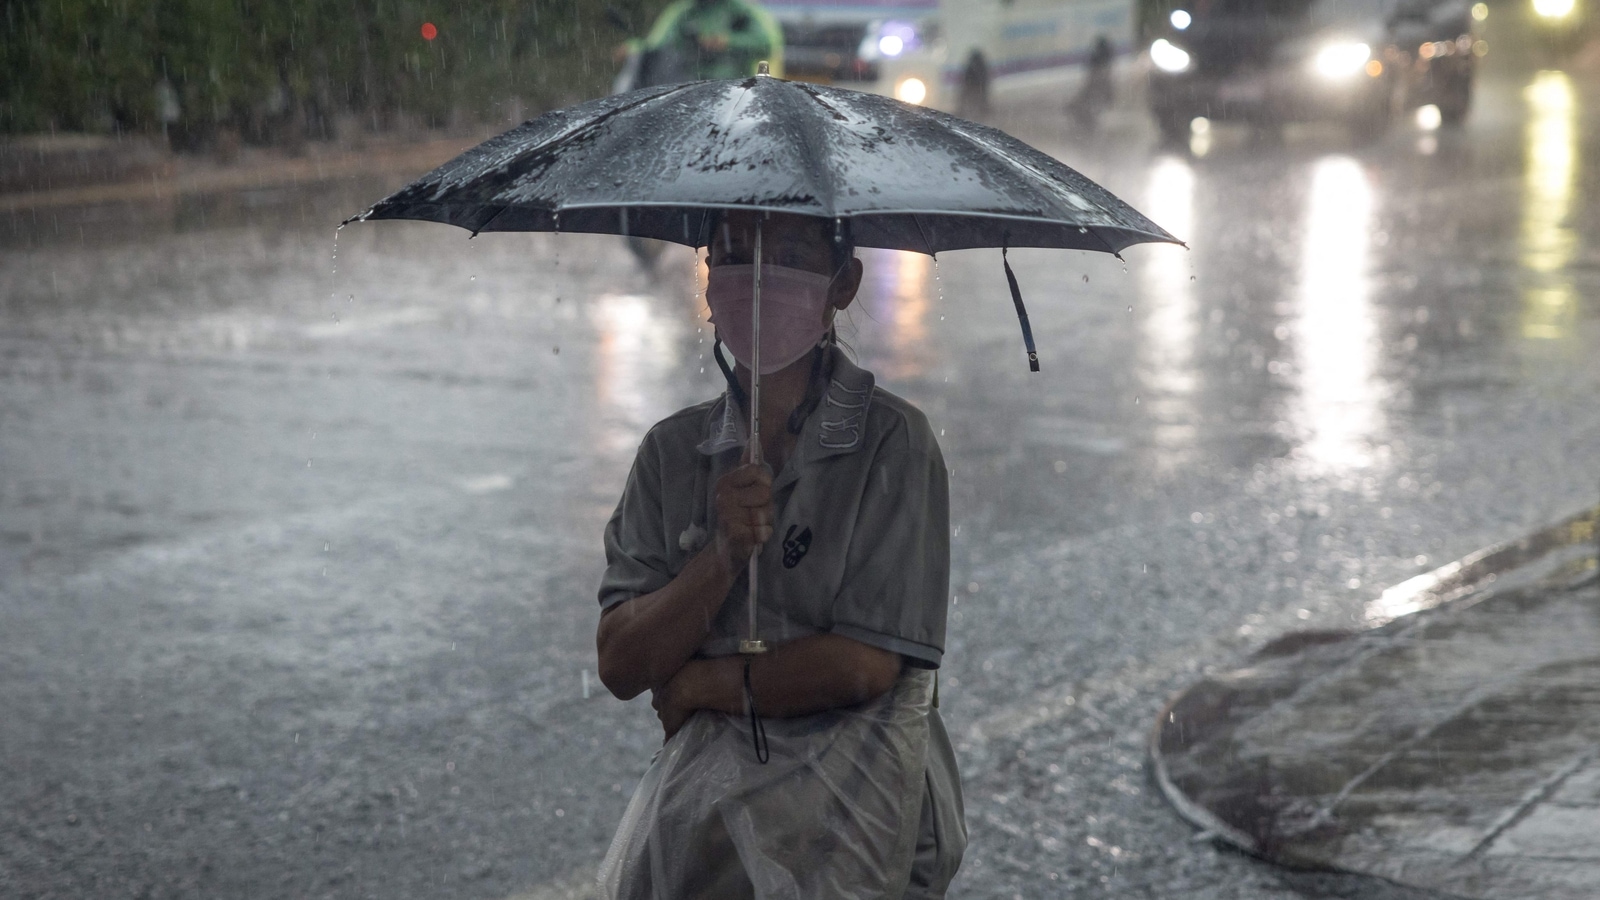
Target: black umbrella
x=663 y=161
x=654 y=162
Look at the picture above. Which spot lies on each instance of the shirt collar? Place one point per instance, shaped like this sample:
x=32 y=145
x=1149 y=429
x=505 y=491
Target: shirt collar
x=836 y=426
x=839 y=423
x=724 y=428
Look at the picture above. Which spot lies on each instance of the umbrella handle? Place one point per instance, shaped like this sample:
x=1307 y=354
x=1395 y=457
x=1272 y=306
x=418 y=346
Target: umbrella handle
x=753 y=644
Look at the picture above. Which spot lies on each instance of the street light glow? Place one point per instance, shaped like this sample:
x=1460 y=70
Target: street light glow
x=1342 y=59
x=1554 y=9
x=1168 y=57
x=911 y=90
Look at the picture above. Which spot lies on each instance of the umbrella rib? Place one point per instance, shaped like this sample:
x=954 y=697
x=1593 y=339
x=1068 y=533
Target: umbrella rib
x=814 y=156
x=727 y=120
x=1095 y=232
x=485 y=223
x=917 y=221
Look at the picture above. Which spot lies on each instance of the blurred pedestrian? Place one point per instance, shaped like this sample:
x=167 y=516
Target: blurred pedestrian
x=1096 y=94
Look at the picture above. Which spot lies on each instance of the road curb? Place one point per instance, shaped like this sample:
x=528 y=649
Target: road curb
x=1247 y=730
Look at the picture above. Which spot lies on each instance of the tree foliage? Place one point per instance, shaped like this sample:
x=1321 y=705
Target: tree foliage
x=271 y=67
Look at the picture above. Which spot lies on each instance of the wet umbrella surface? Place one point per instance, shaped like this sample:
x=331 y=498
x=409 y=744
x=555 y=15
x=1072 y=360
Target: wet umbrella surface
x=651 y=163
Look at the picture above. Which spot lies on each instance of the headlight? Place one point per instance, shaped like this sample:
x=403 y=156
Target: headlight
x=1554 y=9
x=1169 y=57
x=1342 y=60
x=1180 y=19
x=888 y=40
x=911 y=90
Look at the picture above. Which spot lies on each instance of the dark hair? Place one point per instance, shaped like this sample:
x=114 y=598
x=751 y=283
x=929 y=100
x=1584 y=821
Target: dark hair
x=837 y=232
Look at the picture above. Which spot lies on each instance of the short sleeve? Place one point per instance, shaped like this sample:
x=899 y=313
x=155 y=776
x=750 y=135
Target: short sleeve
x=897 y=571
x=637 y=556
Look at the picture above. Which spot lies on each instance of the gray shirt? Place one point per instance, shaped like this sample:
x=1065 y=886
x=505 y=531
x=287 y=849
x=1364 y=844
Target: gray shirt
x=861 y=547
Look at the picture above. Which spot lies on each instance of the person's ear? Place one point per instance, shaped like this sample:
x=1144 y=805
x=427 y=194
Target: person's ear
x=842 y=290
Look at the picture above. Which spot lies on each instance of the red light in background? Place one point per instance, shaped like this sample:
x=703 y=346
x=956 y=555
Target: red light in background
x=428 y=31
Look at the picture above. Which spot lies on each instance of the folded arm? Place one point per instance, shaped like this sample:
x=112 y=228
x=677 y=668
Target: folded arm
x=810 y=675
x=643 y=642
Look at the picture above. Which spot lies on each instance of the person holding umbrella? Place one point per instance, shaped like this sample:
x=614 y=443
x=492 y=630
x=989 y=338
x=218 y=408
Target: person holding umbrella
x=850 y=517
x=804 y=757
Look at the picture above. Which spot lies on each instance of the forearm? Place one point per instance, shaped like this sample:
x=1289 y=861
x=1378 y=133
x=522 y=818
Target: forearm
x=806 y=676
x=643 y=642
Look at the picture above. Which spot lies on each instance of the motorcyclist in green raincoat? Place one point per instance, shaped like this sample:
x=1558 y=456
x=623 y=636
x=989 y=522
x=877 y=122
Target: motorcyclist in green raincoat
x=707 y=39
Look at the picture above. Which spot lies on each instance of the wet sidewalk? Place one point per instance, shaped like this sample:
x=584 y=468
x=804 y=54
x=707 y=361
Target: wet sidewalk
x=1454 y=749
x=256 y=168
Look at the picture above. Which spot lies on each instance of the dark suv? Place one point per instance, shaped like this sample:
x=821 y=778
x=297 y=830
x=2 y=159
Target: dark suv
x=1272 y=61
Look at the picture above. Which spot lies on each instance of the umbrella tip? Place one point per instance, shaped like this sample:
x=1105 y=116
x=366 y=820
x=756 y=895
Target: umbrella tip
x=762 y=68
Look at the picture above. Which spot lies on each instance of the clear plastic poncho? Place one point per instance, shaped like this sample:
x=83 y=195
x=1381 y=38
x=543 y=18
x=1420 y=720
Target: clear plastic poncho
x=832 y=815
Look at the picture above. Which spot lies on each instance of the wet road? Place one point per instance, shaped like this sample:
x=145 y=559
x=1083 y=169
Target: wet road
x=298 y=540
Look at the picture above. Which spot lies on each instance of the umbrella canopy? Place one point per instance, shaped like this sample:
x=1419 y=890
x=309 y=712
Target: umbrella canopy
x=656 y=162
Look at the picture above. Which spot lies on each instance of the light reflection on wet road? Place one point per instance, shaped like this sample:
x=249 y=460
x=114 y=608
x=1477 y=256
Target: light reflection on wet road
x=1168 y=378
x=1548 y=240
x=1334 y=347
x=296 y=563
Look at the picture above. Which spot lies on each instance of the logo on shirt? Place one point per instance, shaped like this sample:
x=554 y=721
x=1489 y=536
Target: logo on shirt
x=795 y=546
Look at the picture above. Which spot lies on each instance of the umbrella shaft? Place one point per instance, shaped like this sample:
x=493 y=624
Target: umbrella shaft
x=752 y=578
x=755 y=406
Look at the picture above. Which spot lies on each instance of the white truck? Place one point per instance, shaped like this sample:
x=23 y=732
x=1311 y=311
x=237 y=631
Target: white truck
x=962 y=56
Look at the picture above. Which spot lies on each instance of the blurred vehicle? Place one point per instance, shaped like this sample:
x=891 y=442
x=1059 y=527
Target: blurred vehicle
x=1268 y=62
x=962 y=56
x=1436 y=45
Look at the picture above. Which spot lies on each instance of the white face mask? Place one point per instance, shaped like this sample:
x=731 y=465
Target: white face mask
x=793 y=302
